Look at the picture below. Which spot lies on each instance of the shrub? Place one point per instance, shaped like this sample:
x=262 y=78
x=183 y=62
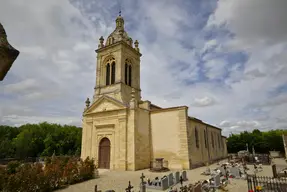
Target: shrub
x=3 y=177
x=33 y=177
x=87 y=169
x=71 y=171
x=12 y=166
x=54 y=172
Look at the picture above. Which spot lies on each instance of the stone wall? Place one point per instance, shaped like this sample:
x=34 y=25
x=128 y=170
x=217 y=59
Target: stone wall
x=169 y=137
x=143 y=148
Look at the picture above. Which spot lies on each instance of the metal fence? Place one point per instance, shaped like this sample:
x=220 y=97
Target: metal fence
x=262 y=159
x=26 y=160
x=258 y=183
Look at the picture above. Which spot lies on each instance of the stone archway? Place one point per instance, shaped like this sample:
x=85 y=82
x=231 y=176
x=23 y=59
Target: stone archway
x=104 y=153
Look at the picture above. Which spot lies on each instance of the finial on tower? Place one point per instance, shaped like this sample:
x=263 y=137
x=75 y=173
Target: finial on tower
x=133 y=93
x=120 y=21
x=88 y=102
x=137 y=46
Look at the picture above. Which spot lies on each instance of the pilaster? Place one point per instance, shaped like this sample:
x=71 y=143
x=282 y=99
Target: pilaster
x=183 y=140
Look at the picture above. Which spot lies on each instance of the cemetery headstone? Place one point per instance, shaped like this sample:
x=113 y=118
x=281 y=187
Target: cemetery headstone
x=159 y=184
x=184 y=176
x=176 y=176
x=274 y=170
x=164 y=183
x=170 y=179
x=215 y=181
x=222 y=170
x=197 y=187
x=235 y=172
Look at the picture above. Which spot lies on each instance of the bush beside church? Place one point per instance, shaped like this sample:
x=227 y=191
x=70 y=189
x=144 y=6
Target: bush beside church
x=57 y=172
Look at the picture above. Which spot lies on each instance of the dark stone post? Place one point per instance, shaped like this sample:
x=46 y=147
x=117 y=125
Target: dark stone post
x=142 y=184
x=274 y=171
x=8 y=54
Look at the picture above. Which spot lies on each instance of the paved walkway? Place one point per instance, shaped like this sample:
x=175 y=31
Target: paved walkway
x=118 y=180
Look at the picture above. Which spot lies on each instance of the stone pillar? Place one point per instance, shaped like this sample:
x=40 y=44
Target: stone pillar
x=158 y=163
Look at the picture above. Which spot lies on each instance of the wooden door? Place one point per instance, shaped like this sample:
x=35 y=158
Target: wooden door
x=104 y=153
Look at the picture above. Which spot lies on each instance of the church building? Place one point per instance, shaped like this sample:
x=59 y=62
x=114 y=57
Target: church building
x=121 y=131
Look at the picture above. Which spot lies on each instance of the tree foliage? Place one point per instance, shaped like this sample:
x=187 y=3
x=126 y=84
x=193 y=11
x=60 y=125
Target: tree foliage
x=263 y=142
x=35 y=140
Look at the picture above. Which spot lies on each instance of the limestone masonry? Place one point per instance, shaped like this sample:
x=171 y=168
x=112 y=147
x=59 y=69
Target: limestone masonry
x=123 y=132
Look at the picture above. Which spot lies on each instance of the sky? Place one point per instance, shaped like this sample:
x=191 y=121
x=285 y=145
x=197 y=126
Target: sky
x=224 y=59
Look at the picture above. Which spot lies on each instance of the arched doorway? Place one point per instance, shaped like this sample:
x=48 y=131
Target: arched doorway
x=104 y=153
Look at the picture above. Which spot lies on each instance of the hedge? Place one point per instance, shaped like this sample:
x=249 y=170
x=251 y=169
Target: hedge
x=57 y=172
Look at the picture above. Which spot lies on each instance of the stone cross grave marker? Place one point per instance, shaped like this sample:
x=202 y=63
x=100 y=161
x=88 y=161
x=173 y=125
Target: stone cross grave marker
x=176 y=176
x=235 y=172
x=170 y=179
x=96 y=188
x=142 y=184
x=184 y=176
x=128 y=189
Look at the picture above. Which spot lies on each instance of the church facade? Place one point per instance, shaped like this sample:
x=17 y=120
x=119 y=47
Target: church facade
x=121 y=131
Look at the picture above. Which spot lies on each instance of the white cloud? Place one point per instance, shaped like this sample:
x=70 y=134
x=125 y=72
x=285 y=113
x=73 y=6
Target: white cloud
x=215 y=69
x=16 y=120
x=203 y=102
x=33 y=51
x=23 y=86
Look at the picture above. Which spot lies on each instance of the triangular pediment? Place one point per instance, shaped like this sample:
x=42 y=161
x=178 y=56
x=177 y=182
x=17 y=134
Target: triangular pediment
x=105 y=103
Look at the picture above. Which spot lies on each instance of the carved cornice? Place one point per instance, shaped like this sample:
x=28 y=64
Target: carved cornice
x=123 y=43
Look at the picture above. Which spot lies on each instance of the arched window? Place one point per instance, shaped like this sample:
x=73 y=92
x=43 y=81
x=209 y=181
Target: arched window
x=126 y=73
x=108 y=74
x=113 y=78
x=196 y=138
x=130 y=75
x=205 y=139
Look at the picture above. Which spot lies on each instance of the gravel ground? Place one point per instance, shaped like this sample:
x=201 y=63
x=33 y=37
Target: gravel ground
x=118 y=180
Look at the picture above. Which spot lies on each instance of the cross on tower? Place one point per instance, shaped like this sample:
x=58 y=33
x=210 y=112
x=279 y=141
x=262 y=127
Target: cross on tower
x=120 y=13
x=142 y=178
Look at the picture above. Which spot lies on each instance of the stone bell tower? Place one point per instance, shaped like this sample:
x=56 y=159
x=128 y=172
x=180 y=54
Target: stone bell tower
x=118 y=66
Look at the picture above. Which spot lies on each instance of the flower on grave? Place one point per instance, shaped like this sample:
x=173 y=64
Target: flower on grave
x=258 y=188
x=250 y=190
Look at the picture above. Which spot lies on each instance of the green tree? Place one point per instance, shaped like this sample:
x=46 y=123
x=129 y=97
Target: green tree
x=34 y=140
x=263 y=142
